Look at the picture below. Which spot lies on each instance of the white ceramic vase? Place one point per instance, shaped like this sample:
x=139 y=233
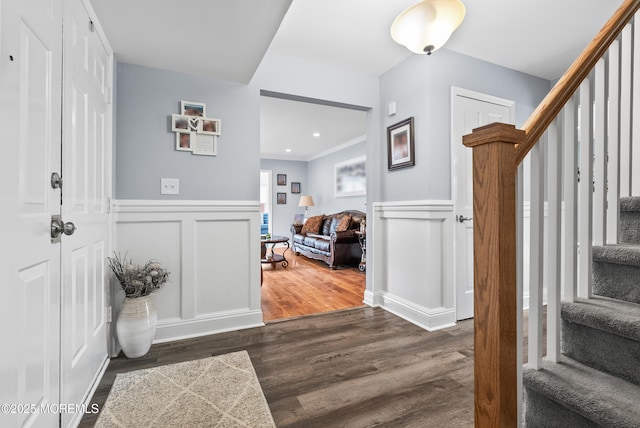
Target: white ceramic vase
x=136 y=325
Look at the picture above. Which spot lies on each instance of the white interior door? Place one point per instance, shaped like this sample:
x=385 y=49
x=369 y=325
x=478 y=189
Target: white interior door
x=85 y=203
x=30 y=88
x=469 y=110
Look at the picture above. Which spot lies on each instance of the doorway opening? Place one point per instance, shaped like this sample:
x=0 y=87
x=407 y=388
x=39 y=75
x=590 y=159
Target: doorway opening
x=303 y=142
x=265 y=202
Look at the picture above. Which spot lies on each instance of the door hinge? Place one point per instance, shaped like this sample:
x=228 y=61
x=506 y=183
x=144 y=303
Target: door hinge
x=109 y=313
x=92 y=27
x=109 y=205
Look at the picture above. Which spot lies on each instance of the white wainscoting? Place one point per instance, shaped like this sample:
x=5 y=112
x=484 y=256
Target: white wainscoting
x=413 y=265
x=211 y=248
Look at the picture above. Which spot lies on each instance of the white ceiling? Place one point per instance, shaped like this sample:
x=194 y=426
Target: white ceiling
x=227 y=40
x=290 y=125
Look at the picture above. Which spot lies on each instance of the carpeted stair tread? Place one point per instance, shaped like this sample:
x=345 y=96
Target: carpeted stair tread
x=609 y=315
x=630 y=203
x=604 y=399
x=622 y=254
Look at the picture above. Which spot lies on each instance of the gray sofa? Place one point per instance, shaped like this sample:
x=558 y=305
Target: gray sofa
x=334 y=247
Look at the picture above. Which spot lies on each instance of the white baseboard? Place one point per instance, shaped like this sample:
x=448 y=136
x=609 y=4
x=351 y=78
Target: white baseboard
x=177 y=330
x=429 y=319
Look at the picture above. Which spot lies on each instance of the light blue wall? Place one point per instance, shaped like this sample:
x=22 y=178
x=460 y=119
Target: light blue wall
x=421 y=87
x=145 y=146
x=282 y=215
x=322 y=182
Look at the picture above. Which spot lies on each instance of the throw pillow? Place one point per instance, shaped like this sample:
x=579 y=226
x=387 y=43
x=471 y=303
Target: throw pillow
x=312 y=225
x=344 y=224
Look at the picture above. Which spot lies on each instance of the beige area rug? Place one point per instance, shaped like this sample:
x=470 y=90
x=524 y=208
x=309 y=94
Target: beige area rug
x=221 y=391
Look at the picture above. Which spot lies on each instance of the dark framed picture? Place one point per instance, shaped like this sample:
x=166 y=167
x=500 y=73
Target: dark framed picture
x=401 y=145
x=281 y=179
x=281 y=198
x=295 y=187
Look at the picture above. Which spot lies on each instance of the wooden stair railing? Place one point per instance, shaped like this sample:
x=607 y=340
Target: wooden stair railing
x=497 y=151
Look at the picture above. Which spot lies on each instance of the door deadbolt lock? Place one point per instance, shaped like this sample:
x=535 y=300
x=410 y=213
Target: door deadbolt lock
x=59 y=227
x=56 y=181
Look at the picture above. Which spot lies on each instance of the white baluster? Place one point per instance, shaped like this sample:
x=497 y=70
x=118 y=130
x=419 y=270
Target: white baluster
x=519 y=281
x=613 y=144
x=554 y=194
x=536 y=243
x=599 y=154
x=635 y=100
x=570 y=183
x=625 y=111
x=585 y=190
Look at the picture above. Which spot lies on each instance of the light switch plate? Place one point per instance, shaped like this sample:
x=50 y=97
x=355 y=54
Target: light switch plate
x=169 y=186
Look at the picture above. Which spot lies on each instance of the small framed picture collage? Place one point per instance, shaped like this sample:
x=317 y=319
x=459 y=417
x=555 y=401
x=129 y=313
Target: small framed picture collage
x=281 y=180
x=195 y=132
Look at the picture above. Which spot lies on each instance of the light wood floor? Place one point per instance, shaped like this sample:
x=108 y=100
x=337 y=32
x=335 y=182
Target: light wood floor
x=354 y=368
x=308 y=287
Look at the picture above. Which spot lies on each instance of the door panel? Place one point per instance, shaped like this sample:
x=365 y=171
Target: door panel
x=469 y=113
x=30 y=84
x=84 y=202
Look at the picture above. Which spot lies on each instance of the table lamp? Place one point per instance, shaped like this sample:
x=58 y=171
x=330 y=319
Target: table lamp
x=306 y=202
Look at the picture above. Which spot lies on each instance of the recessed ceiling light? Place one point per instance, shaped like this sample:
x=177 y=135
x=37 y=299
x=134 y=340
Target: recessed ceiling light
x=287 y=150
x=316 y=134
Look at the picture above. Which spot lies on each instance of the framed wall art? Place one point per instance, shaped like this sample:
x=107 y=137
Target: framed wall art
x=179 y=123
x=210 y=126
x=281 y=179
x=401 y=145
x=183 y=141
x=295 y=187
x=281 y=198
x=195 y=132
x=191 y=108
x=351 y=177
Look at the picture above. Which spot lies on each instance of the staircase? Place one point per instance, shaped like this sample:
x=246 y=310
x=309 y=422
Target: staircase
x=597 y=381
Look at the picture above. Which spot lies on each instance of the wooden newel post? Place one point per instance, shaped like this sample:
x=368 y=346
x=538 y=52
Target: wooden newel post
x=494 y=242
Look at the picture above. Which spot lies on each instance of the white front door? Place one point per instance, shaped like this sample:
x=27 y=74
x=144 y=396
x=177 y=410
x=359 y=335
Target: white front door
x=469 y=110
x=30 y=112
x=85 y=203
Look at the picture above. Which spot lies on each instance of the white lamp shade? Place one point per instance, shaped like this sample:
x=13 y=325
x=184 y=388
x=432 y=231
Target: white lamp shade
x=306 y=201
x=426 y=26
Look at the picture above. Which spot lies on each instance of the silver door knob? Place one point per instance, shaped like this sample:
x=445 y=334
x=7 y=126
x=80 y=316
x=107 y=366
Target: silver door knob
x=58 y=227
x=462 y=219
x=68 y=228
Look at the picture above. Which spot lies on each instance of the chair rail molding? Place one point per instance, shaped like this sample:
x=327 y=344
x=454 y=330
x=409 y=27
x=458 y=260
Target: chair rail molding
x=413 y=270
x=211 y=249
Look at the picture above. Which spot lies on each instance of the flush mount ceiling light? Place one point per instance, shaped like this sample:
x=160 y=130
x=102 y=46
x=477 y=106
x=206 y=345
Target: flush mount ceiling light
x=426 y=26
x=316 y=134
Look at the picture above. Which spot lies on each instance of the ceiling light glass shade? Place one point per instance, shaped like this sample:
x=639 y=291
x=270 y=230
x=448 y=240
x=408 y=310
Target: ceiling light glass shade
x=426 y=26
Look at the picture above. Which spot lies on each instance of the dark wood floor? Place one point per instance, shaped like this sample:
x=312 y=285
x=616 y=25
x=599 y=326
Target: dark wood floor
x=308 y=287
x=352 y=368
